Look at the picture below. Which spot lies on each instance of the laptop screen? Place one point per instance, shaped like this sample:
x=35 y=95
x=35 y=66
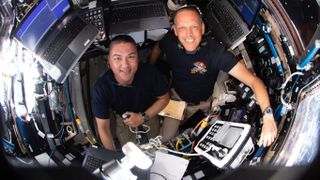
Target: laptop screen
x=248 y=10
x=38 y=21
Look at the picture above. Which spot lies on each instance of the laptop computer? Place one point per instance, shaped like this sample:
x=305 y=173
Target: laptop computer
x=56 y=35
x=231 y=21
x=137 y=15
x=95 y=157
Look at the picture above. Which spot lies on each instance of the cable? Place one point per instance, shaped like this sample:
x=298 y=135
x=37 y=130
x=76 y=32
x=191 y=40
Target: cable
x=81 y=7
x=60 y=109
x=194 y=129
x=156 y=142
x=246 y=155
x=252 y=150
x=281 y=110
x=177 y=143
x=7 y=145
x=192 y=146
x=187 y=154
x=294 y=84
x=60 y=138
x=69 y=101
x=136 y=129
x=139 y=132
x=288 y=79
x=180 y=153
x=185 y=147
x=61 y=129
x=204 y=123
x=287 y=105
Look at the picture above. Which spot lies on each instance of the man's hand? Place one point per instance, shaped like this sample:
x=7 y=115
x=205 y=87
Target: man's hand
x=269 y=131
x=134 y=120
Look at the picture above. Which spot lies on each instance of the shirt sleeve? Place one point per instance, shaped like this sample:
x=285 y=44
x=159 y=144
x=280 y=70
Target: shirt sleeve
x=229 y=61
x=224 y=59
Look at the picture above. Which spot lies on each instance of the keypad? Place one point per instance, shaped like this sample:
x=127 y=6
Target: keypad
x=95 y=17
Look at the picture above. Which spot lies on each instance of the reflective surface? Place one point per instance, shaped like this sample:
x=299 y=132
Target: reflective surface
x=305 y=16
x=302 y=143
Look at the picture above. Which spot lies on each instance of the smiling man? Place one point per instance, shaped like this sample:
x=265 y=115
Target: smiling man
x=129 y=89
x=195 y=62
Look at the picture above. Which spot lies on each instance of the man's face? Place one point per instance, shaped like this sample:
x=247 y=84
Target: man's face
x=123 y=61
x=189 y=29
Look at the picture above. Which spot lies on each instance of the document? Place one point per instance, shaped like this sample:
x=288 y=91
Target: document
x=174 y=109
x=168 y=166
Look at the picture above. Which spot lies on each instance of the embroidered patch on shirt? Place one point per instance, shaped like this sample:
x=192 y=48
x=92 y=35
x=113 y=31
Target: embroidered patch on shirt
x=199 y=67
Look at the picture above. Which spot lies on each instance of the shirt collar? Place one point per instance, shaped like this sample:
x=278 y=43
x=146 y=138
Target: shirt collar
x=115 y=82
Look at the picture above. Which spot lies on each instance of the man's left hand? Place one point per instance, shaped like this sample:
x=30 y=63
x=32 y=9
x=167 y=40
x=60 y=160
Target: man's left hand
x=269 y=131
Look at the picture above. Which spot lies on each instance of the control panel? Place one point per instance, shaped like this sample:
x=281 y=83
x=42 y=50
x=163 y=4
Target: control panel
x=95 y=17
x=224 y=142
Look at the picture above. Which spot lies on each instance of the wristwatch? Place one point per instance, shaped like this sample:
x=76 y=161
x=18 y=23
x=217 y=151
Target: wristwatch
x=146 y=118
x=268 y=111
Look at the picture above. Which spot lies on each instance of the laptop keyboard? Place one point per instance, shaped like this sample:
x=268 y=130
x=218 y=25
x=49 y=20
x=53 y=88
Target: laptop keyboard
x=120 y=14
x=63 y=39
x=91 y=163
x=227 y=21
x=95 y=17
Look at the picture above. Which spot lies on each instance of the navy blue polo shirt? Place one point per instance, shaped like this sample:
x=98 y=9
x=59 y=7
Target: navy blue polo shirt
x=147 y=85
x=194 y=75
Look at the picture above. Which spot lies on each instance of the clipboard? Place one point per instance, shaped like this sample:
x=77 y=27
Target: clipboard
x=175 y=109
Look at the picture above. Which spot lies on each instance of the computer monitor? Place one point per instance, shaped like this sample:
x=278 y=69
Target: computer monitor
x=247 y=9
x=42 y=17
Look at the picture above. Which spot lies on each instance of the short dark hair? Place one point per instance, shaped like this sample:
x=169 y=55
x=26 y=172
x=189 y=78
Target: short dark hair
x=122 y=39
x=193 y=8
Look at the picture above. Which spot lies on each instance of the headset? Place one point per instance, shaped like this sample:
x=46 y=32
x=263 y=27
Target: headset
x=190 y=6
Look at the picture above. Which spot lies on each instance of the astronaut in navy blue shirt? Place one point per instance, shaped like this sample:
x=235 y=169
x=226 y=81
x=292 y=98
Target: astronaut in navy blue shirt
x=134 y=92
x=195 y=63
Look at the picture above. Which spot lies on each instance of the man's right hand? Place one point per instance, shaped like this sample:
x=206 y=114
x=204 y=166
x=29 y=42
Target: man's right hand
x=134 y=120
